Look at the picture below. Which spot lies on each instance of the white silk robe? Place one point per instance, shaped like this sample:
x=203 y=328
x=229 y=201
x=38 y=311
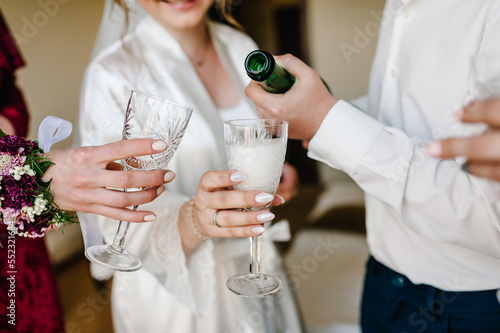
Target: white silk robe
x=172 y=293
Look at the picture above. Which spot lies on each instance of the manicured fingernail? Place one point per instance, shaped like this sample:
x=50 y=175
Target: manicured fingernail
x=434 y=149
x=159 y=145
x=149 y=218
x=282 y=199
x=264 y=217
x=160 y=190
x=258 y=230
x=169 y=176
x=238 y=177
x=264 y=197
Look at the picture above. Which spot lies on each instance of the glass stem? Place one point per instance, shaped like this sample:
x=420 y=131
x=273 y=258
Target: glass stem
x=255 y=247
x=121 y=233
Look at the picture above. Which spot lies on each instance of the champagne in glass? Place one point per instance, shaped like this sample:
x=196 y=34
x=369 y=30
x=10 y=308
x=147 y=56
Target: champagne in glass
x=150 y=117
x=256 y=147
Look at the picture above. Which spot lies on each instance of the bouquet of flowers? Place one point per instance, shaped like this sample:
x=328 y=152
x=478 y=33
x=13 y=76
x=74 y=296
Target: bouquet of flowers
x=26 y=204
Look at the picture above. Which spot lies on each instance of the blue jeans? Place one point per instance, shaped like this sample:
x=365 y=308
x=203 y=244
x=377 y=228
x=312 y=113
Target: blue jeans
x=392 y=304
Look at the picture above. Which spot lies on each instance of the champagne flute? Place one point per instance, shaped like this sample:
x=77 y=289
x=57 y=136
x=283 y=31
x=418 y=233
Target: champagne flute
x=256 y=147
x=152 y=117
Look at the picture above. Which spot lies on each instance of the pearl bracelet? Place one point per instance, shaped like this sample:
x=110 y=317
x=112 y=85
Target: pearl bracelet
x=192 y=221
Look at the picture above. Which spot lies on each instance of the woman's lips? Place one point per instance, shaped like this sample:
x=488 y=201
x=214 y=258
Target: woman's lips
x=180 y=2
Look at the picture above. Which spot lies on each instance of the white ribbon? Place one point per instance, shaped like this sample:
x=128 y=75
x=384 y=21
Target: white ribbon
x=90 y=229
x=53 y=130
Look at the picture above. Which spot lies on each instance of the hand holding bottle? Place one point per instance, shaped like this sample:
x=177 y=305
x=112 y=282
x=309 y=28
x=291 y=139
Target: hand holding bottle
x=304 y=106
x=261 y=67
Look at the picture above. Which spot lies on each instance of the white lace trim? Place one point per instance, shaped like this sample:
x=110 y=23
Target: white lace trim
x=191 y=281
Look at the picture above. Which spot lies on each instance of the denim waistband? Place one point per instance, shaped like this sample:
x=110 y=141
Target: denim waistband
x=465 y=301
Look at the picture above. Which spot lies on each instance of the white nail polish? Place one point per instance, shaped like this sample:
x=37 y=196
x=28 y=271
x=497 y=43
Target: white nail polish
x=264 y=217
x=159 y=145
x=160 y=190
x=434 y=149
x=282 y=199
x=238 y=177
x=149 y=218
x=168 y=176
x=264 y=197
x=258 y=230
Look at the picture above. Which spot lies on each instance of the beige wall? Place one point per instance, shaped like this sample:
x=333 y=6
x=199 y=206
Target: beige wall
x=55 y=38
x=335 y=26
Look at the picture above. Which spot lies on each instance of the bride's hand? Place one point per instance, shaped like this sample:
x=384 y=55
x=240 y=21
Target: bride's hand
x=217 y=201
x=216 y=196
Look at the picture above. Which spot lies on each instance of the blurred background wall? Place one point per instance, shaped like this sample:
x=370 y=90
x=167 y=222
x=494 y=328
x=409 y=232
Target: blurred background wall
x=55 y=38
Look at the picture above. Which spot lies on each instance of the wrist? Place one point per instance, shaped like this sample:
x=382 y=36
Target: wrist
x=191 y=234
x=318 y=119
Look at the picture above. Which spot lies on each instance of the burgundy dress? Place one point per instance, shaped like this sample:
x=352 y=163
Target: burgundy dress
x=30 y=282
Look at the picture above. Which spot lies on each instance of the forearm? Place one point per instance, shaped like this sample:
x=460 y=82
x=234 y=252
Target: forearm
x=191 y=239
x=394 y=169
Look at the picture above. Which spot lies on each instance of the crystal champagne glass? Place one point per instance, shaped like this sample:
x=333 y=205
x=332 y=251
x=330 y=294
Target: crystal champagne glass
x=151 y=117
x=256 y=147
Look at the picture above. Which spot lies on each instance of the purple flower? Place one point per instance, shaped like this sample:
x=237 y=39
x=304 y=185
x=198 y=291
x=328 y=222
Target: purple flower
x=9 y=161
x=9 y=215
x=17 y=194
x=37 y=228
x=16 y=152
x=17 y=145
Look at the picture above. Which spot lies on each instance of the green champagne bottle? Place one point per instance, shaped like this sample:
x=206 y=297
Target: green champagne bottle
x=261 y=67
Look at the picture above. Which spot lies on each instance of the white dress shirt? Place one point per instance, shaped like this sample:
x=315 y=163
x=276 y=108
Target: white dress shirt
x=426 y=218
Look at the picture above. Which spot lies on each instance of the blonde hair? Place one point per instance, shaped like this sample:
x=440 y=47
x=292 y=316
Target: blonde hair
x=223 y=7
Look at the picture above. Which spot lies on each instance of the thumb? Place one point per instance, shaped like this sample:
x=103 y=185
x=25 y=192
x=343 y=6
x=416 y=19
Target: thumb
x=293 y=65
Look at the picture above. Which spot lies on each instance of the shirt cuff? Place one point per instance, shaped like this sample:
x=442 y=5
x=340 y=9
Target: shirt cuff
x=344 y=136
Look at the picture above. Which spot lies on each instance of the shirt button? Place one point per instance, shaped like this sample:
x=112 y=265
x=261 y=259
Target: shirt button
x=394 y=73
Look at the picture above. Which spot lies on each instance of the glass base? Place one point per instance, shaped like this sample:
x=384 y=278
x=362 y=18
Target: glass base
x=113 y=258
x=254 y=285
